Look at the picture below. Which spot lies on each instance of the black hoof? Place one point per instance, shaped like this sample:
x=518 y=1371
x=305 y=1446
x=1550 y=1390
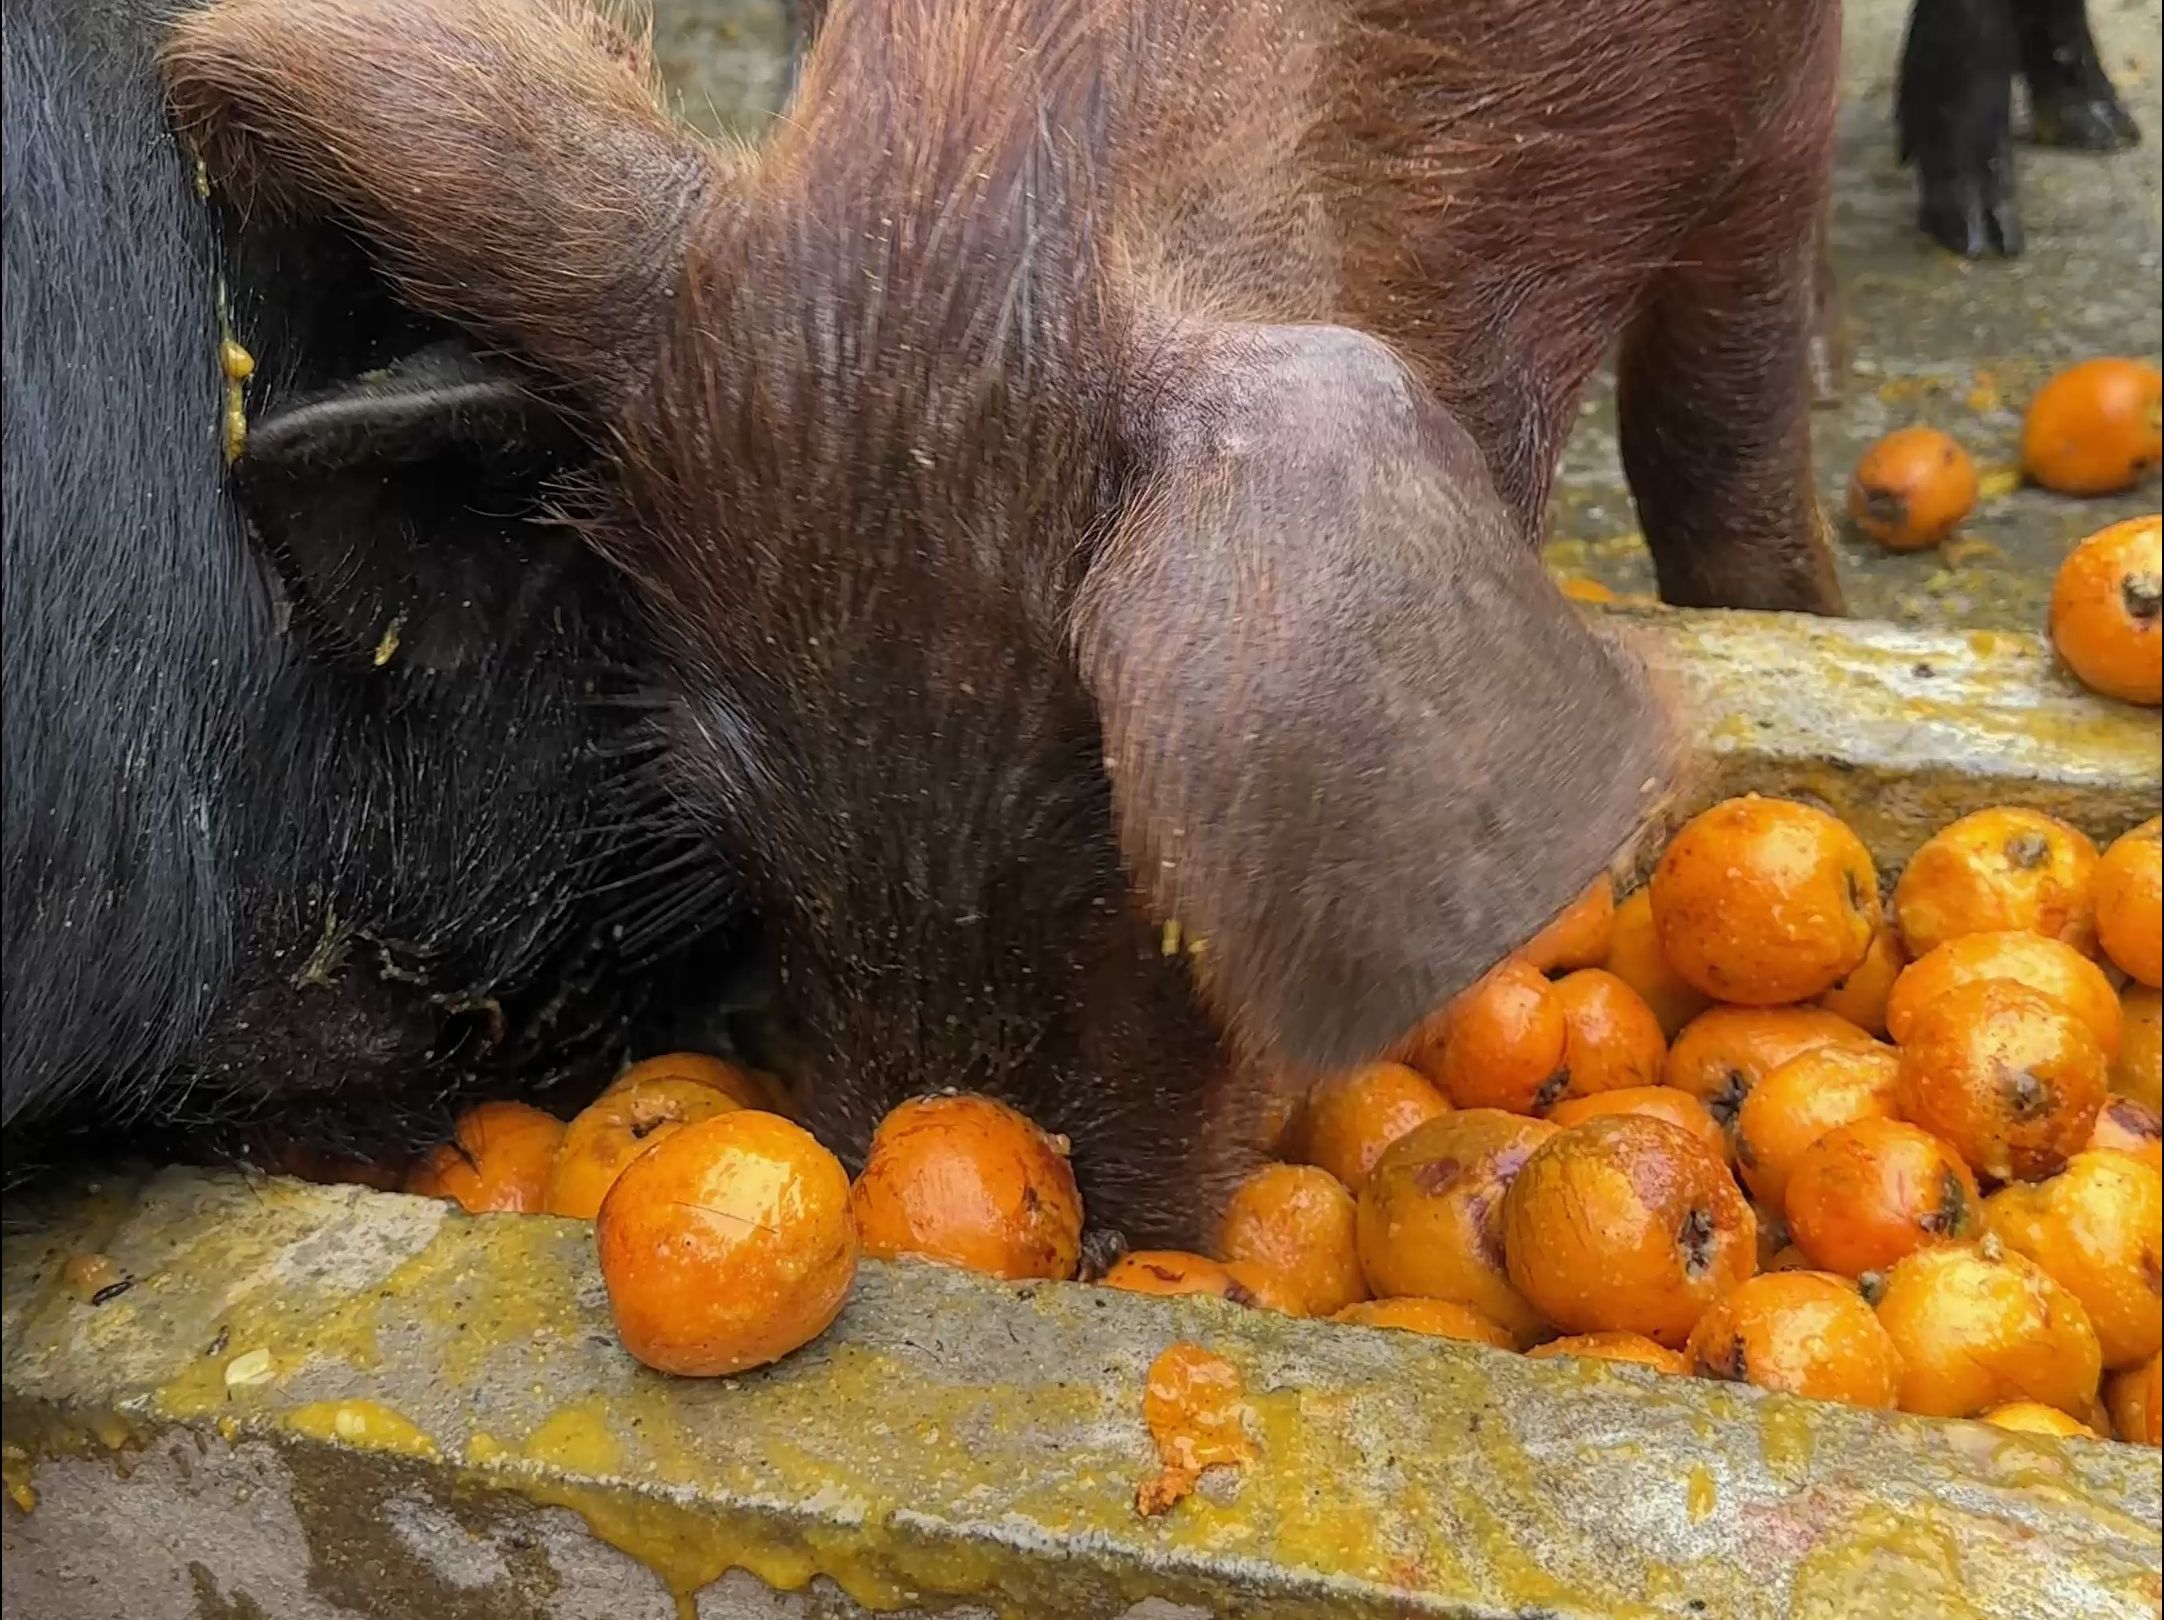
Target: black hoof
x=2083 y=123
x=1969 y=220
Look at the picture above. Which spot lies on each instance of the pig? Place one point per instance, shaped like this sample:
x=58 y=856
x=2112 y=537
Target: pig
x=1086 y=473
x=328 y=798
x=1954 y=108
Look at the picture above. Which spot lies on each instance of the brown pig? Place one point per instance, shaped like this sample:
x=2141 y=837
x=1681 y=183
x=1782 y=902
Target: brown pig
x=1087 y=470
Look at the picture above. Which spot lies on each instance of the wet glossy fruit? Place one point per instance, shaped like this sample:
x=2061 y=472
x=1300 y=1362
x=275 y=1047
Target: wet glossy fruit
x=1633 y=1348
x=1626 y=1223
x=1634 y=956
x=1431 y=1216
x=1975 y=1331
x=2137 y=1070
x=1678 y=1108
x=616 y=1128
x=2033 y=1417
x=1298 y=1222
x=2135 y=1399
x=2107 y=612
x=497 y=1160
x=2094 y=1227
x=1505 y=1043
x=1439 y=1318
x=967 y=1181
x=2042 y=964
x=1173 y=1272
x=1351 y=1118
x=2094 y=429
x=2130 y=903
x=1911 y=488
x=727 y=1245
x=1801 y=1100
x=1803 y=1332
x=1860 y=995
x=2130 y=1127
x=1725 y=1051
x=1613 y=1040
x=2010 y=1078
x=1765 y=901
x=744 y=1087
x=1580 y=937
x=1863 y=1195
x=1999 y=869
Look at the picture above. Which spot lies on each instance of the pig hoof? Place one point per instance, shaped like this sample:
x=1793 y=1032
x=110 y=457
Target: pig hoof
x=1102 y=1249
x=2084 y=122
x=1971 y=220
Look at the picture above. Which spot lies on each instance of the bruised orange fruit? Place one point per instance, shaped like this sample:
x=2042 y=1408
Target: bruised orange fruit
x=1504 y=1043
x=2130 y=903
x=1803 y=1332
x=741 y=1086
x=2130 y=1127
x=1430 y=1220
x=1300 y=1223
x=1976 y=1329
x=498 y=1159
x=2135 y=1399
x=967 y=1181
x=1996 y=870
x=2094 y=428
x=1865 y=1194
x=1192 y=1407
x=1171 y=1272
x=726 y=1245
x=1439 y=1318
x=1579 y=938
x=1612 y=1038
x=1765 y=901
x=1911 y=488
x=2094 y=1229
x=1801 y=1100
x=1860 y=994
x=616 y=1128
x=2137 y=1069
x=1351 y=1118
x=2107 y=611
x=1634 y=1348
x=2045 y=965
x=1725 y=1051
x=2033 y=1417
x=2010 y=1078
x=1634 y=956
x=1678 y=1108
x=1626 y=1223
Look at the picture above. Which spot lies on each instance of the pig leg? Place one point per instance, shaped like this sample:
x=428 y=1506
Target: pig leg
x=1954 y=110
x=2071 y=99
x=1713 y=392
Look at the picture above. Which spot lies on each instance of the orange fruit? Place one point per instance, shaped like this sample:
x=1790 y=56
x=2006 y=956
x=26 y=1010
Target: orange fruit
x=2008 y=1077
x=2093 y=429
x=1911 y=488
x=1634 y=956
x=1580 y=936
x=1505 y=1042
x=1725 y=1051
x=1678 y=1108
x=1351 y=1118
x=2045 y=965
x=1192 y=1407
x=1431 y=1215
x=1581 y=589
x=2033 y=1417
x=498 y=1159
x=1788 y=1258
x=1439 y=1318
x=1634 y=1348
x=1801 y=1100
x=2137 y=1069
x=1765 y=901
x=741 y=1086
x=727 y=1245
x=1860 y=995
x=2130 y=903
x=1612 y=1040
x=2130 y=1127
x=2107 y=611
x=967 y=1181
x=2135 y=1399
x=616 y=1128
x=1171 y=1272
x=2094 y=1229
x=1300 y=1223
x=1975 y=1330
x=1865 y=1194
x=1802 y=1332
x=1626 y=1223
x=1996 y=870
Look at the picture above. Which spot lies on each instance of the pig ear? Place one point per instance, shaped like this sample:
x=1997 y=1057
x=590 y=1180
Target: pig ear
x=1358 y=742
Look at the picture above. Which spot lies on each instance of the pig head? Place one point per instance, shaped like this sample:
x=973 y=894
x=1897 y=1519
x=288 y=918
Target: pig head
x=1115 y=675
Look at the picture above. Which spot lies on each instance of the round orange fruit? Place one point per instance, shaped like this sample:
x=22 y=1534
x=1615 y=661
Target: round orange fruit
x=1865 y=1194
x=741 y=1086
x=1350 y=1118
x=2093 y=429
x=2107 y=611
x=1801 y=1100
x=2130 y=903
x=1725 y=1051
x=1634 y=956
x=1975 y=1330
x=2133 y=1128
x=497 y=1160
x=727 y=1245
x=2046 y=965
x=2137 y=1069
x=1911 y=488
x=1802 y=1332
x=616 y=1128
x=1438 y=1318
x=2033 y=1417
x=2135 y=1399
x=2094 y=1229
x=1635 y=1349
x=1678 y=1108
x=1612 y=1038
x=1300 y=1223
x=1579 y=938
x=1171 y=1272
x=1505 y=1043
x=1999 y=869
x=1860 y=995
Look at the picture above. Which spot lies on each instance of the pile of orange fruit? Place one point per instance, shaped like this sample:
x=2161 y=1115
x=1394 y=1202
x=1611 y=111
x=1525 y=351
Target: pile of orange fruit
x=1752 y=1123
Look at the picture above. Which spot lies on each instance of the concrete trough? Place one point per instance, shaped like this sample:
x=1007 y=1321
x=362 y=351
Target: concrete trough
x=267 y=1399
